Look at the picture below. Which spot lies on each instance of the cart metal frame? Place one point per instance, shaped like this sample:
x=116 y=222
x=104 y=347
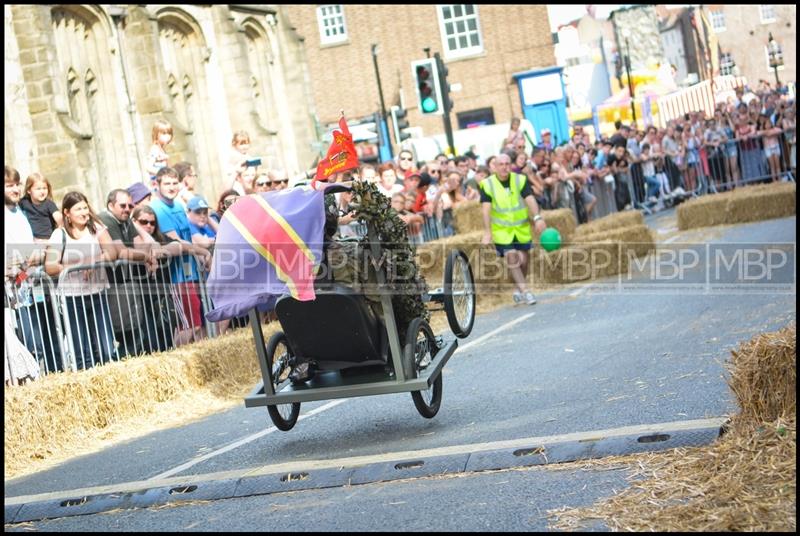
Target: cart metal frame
x=328 y=385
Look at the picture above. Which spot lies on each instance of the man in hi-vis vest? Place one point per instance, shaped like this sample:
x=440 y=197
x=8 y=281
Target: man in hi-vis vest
x=507 y=201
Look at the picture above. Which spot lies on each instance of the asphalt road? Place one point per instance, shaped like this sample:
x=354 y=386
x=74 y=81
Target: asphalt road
x=624 y=351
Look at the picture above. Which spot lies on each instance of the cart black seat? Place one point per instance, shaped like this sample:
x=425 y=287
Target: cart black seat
x=338 y=329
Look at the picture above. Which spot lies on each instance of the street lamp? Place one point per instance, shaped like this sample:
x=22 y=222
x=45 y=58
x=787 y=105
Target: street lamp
x=626 y=33
x=775 y=57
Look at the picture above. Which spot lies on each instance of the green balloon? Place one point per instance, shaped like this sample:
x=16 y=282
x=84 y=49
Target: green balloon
x=550 y=239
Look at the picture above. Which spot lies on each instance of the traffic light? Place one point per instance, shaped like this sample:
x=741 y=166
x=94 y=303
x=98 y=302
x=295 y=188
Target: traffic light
x=444 y=91
x=427 y=83
x=399 y=123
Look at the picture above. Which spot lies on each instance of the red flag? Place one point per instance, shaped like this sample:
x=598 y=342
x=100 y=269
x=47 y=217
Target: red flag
x=341 y=155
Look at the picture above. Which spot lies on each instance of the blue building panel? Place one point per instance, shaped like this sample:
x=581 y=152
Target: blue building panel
x=544 y=102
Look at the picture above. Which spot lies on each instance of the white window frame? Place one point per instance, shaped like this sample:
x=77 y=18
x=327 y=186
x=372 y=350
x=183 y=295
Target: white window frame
x=761 y=13
x=723 y=66
x=471 y=50
x=718 y=20
x=769 y=67
x=323 y=17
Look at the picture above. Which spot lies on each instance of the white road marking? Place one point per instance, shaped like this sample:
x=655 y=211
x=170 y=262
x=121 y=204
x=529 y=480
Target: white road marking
x=495 y=332
x=581 y=290
x=320 y=409
x=357 y=461
x=671 y=239
x=241 y=442
x=667 y=231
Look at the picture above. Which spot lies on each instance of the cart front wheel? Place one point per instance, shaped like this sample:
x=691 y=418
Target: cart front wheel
x=459 y=294
x=419 y=351
x=284 y=416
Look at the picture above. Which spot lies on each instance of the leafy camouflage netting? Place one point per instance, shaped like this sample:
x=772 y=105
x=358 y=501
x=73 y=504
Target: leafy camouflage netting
x=404 y=280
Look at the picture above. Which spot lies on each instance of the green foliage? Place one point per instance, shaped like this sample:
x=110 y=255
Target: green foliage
x=403 y=277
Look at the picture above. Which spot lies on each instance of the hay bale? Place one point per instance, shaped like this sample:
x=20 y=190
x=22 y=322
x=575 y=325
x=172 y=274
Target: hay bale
x=593 y=256
x=596 y=255
x=576 y=263
x=751 y=203
x=746 y=481
x=763 y=204
x=635 y=239
x=468 y=218
x=763 y=376
x=612 y=221
x=59 y=410
x=562 y=219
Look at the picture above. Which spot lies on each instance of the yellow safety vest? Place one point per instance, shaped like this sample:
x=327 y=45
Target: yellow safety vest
x=509 y=216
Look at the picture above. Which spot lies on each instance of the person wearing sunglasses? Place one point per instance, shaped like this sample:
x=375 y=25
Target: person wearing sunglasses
x=279 y=179
x=405 y=165
x=117 y=219
x=263 y=183
x=226 y=200
x=160 y=312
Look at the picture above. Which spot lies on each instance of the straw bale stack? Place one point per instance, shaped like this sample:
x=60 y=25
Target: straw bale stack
x=763 y=376
x=59 y=409
x=606 y=223
x=746 y=481
x=468 y=218
x=595 y=255
x=751 y=203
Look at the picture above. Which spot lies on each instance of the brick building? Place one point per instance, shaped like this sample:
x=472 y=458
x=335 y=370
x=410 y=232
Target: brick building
x=84 y=84
x=743 y=32
x=482 y=45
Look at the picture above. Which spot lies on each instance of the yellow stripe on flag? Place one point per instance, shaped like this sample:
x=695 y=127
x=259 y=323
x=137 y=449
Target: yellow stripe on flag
x=256 y=245
x=286 y=227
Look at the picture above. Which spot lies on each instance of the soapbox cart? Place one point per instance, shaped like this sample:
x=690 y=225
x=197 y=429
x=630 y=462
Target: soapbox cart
x=356 y=351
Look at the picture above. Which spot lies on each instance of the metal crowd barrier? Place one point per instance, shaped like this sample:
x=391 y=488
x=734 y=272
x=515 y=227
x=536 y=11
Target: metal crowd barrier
x=139 y=313
x=736 y=163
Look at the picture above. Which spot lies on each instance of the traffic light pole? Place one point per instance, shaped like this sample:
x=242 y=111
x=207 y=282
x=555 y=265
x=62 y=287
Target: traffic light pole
x=443 y=90
x=380 y=92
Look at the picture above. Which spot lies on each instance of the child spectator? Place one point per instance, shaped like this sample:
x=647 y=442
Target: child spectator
x=39 y=207
x=157 y=158
x=237 y=161
x=197 y=213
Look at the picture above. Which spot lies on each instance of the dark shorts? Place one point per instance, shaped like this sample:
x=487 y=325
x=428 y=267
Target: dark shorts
x=503 y=248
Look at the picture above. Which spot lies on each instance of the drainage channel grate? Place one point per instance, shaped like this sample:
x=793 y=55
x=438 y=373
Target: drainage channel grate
x=554 y=452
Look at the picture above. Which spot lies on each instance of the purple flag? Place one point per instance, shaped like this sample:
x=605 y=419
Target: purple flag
x=268 y=245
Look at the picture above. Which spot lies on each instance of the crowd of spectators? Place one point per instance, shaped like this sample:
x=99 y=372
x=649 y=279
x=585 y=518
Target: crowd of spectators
x=163 y=226
x=751 y=137
x=167 y=228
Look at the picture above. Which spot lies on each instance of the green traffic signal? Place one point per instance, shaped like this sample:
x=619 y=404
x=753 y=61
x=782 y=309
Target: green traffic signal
x=429 y=105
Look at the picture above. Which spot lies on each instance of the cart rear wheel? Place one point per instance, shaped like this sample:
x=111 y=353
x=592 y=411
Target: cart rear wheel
x=459 y=294
x=419 y=351
x=284 y=416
